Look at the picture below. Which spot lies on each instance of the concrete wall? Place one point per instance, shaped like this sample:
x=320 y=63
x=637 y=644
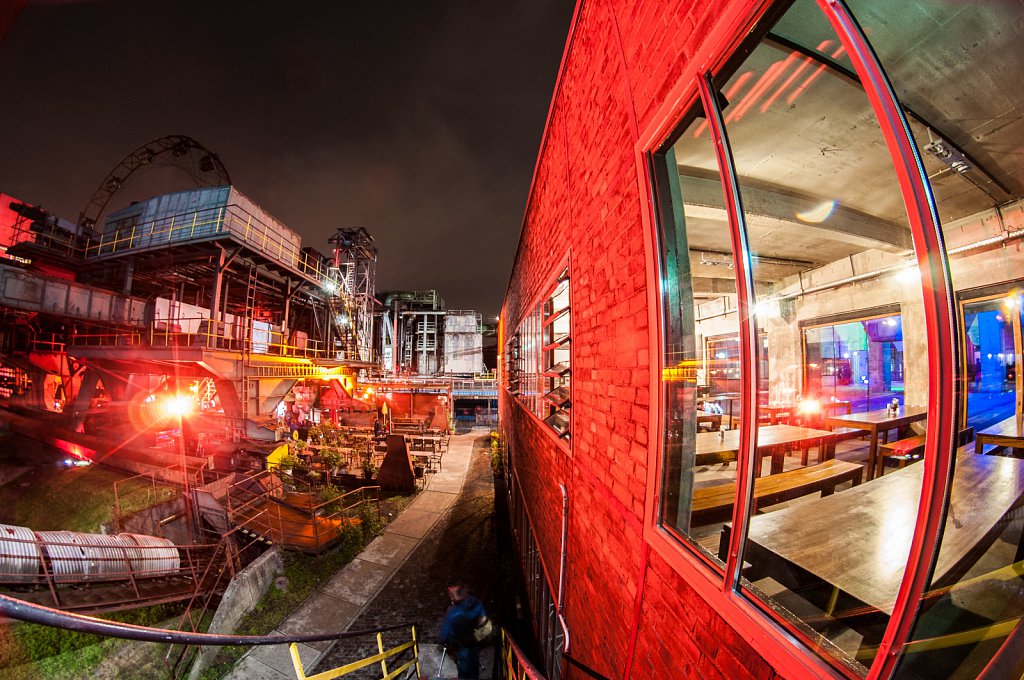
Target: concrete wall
x=241 y=597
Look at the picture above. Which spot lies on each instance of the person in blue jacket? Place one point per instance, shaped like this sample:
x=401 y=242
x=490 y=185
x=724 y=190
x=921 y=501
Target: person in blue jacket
x=457 y=630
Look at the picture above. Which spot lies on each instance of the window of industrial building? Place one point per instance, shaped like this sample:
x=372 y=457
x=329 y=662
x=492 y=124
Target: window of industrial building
x=531 y=347
x=700 y=380
x=513 y=365
x=557 y=357
x=840 y=428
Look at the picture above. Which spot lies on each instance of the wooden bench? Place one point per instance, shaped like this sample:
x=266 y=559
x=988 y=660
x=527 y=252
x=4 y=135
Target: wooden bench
x=902 y=452
x=910 y=449
x=714 y=503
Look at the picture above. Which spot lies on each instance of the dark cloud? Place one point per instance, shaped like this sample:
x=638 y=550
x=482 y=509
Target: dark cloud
x=418 y=120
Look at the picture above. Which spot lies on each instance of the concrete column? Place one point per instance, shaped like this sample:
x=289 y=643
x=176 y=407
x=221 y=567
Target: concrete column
x=785 y=360
x=218 y=282
x=915 y=352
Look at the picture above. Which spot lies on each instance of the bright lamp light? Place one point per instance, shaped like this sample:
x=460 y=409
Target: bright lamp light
x=810 y=406
x=176 y=406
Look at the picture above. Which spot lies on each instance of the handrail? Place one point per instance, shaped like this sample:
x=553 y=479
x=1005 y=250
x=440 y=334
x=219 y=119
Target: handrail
x=47 y=616
x=514 y=663
x=382 y=656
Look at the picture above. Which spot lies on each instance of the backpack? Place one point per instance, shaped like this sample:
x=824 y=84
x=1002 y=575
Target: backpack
x=484 y=630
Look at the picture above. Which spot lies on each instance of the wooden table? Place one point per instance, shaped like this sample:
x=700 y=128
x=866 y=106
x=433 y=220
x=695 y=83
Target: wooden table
x=829 y=407
x=773 y=411
x=714 y=420
x=729 y=398
x=858 y=540
x=772 y=440
x=876 y=422
x=1006 y=433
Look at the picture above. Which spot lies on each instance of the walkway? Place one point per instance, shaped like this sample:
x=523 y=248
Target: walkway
x=446 y=533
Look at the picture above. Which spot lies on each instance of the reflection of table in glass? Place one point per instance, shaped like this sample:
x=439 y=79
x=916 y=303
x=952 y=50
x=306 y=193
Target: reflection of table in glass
x=877 y=422
x=1008 y=433
x=774 y=411
x=772 y=440
x=858 y=540
x=728 y=398
x=708 y=421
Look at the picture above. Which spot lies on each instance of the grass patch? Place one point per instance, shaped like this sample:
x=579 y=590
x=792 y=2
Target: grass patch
x=52 y=497
x=32 y=650
x=305 y=574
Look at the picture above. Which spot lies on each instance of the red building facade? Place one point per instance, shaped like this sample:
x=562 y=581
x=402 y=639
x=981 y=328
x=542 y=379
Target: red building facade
x=727 y=199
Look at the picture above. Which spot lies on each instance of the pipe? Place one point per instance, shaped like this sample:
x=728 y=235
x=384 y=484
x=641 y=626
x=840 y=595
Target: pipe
x=33 y=613
x=977 y=245
x=561 y=564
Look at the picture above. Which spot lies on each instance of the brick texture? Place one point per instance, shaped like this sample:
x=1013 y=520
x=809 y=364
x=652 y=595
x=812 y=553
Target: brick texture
x=586 y=203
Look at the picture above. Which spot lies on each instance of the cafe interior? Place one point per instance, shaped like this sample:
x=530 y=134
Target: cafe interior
x=843 y=360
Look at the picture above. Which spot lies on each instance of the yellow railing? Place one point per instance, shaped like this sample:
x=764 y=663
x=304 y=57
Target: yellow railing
x=381 y=657
x=212 y=222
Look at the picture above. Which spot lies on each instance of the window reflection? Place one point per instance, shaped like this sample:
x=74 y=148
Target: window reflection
x=955 y=67
x=842 y=347
x=858 y=364
x=702 y=362
x=990 y=360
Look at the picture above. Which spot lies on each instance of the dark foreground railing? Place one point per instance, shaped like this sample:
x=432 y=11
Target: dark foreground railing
x=514 y=663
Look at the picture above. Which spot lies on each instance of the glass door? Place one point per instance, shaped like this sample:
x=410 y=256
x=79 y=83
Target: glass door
x=991 y=345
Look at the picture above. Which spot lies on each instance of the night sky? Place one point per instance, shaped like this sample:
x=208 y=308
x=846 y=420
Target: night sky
x=420 y=121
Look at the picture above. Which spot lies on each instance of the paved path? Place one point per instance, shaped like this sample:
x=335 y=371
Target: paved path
x=441 y=536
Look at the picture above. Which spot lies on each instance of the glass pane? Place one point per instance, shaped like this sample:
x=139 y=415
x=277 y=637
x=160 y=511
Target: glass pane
x=990 y=362
x=855 y=366
x=702 y=364
x=828 y=545
x=956 y=67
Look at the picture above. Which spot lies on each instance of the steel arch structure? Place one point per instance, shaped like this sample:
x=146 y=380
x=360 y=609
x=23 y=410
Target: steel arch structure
x=202 y=165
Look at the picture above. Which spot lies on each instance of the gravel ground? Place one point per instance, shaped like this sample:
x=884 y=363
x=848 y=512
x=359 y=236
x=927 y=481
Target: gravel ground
x=463 y=546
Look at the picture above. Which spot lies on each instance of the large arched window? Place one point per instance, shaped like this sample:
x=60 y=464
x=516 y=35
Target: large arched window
x=811 y=393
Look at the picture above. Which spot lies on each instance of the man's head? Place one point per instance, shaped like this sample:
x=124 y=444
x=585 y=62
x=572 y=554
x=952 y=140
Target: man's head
x=458 y=592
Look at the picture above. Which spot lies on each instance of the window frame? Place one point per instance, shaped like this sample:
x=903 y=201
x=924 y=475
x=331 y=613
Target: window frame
x=747 y=23
x=533 y=323
x=835 y=320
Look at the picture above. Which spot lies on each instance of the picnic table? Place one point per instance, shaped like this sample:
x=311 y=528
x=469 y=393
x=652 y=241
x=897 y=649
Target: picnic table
x=857 y=542
x=877 y=423
x=1008 y=433
x=772 y=440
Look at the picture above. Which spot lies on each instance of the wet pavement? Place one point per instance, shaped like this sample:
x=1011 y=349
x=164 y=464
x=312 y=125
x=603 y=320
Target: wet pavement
x=461 y=547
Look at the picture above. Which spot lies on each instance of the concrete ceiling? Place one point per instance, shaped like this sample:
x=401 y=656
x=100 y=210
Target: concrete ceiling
x=816 y=179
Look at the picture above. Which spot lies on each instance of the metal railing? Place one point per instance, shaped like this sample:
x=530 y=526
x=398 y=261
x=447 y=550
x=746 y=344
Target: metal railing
x=254 y=504
x=210 y=223
x=25 y=611
x=156 y=490
x=239 y=336
x=382 y=656
x=180 y=656
x=514 y=664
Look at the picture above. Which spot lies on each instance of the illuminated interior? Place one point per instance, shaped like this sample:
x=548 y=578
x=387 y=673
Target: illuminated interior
x=841 y=351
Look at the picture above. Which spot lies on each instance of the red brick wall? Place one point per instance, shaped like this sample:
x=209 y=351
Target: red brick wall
x=624 y=60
